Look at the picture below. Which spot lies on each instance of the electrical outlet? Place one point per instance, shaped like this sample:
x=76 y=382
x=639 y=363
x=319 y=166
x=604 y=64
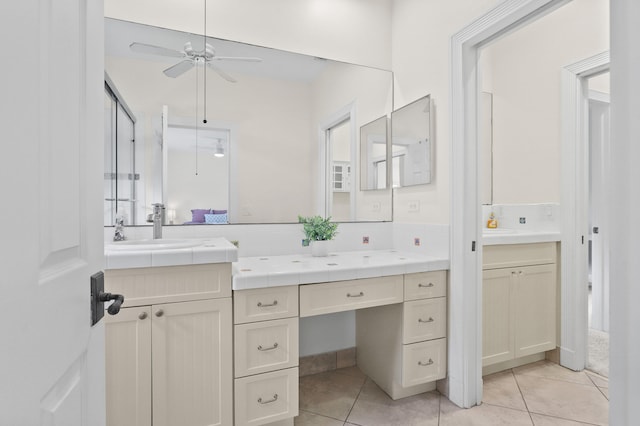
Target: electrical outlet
x=416 y=242
x=365 y=240
x=413 y=206
x=375 y=207
x=523 y=220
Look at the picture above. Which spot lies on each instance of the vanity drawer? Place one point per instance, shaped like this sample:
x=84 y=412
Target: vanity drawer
x=424 y=362
x=265 y=304
x=424 y=285
x=168 y=284
x=424 y=320
x=338 y=296
x=266 y=398
x=266 y=346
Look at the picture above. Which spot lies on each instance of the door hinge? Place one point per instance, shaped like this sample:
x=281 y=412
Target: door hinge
x=473 y=246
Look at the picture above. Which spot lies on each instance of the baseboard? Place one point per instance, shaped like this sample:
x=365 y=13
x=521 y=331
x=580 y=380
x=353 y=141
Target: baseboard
x=328 y=361
x=513 y=363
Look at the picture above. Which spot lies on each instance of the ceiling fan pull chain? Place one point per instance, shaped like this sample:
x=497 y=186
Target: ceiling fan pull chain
x=204 y=63
x=196 y=120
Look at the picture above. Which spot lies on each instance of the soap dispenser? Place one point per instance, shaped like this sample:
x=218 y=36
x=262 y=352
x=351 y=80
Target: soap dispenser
x=492 y=223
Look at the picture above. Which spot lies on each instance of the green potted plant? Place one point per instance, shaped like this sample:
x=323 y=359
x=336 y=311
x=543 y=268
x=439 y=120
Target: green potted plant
x=318 y=231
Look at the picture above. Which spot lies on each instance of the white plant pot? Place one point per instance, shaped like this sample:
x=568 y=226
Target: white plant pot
x=320 y=248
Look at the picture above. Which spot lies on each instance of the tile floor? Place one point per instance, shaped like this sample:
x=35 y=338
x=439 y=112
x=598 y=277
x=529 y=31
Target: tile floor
x=539 y=394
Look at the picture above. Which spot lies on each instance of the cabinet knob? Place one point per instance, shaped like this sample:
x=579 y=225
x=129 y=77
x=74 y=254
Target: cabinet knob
x=142 y=315
x=160 y=313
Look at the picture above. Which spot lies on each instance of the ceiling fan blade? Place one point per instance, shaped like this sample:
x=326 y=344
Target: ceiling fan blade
x=237 y=58
x=222 y=73
x=155 y=50
x=179 y=68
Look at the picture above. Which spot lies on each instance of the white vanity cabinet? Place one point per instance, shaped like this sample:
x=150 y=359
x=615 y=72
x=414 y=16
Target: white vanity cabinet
x=266 y=355
x=402 y=346
x=519 y=301
x=170 y=363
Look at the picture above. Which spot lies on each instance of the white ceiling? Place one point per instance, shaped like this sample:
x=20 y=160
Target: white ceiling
x=275 y=63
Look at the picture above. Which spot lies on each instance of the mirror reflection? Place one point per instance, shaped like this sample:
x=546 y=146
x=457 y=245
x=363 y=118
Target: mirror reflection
x=268 y=121
x=373 y=155
x=411 y=143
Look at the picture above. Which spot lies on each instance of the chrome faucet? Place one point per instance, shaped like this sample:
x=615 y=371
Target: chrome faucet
x=119 y=231
x=158 y=219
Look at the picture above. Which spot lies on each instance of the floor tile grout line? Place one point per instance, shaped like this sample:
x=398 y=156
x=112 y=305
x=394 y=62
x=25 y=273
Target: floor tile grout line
x=566 y=418
x=356 y=400
x=556 y=380
x=515 y=378
x=597 y=387
x=323 y=415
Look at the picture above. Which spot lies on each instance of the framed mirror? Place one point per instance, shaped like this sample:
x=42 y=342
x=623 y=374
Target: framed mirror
x=411 y=143
x=270 y=116
x=373 y=155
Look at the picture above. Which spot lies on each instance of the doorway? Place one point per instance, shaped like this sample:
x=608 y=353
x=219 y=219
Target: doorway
x=598 y=259
x=340 y=168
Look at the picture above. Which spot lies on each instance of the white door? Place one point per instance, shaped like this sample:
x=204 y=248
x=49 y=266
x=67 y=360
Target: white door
x=51 y=172
x=599 y=156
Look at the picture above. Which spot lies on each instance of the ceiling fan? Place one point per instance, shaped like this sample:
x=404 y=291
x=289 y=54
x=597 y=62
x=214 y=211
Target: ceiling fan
x=191 y=58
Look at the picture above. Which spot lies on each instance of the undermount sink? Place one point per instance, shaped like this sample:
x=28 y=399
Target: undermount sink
x=159 y=244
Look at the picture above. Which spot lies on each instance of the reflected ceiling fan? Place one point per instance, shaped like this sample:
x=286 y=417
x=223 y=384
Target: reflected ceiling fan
x=191 y=58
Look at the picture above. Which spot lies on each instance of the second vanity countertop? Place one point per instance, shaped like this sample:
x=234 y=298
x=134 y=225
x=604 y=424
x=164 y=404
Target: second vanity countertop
x=511 y=236
x=273 y=271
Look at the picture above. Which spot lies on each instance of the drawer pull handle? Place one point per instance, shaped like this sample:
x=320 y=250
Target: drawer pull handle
x=275 y=346
x=425 y=285
x=355 y=295
x=424 y=364
x=274 y=399
x=260 y=305
x=426 y=321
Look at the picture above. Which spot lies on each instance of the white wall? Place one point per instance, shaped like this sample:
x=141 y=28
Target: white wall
x=421 y=32
x=354 y=31
x=523 y=74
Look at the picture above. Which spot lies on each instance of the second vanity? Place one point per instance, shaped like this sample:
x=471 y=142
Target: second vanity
x=189 y=334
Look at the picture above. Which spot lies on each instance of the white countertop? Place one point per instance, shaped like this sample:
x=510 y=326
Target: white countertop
x=511 y=236
x=168 y=252
x=273 y=271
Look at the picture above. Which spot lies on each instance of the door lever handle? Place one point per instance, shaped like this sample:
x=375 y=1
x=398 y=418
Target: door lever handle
x=115 y=306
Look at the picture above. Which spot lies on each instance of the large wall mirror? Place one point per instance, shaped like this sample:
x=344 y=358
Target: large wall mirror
x=411 y=143
x=267 y=122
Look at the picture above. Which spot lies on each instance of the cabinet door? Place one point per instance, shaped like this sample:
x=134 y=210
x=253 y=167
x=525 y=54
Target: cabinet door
x=128 y=367
x=192 y=364
x=497 y=323
x=535 y=309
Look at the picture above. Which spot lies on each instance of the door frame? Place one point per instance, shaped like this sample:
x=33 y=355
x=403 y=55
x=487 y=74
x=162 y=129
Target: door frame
x=465 y=329
x=575 y=206
x=348 y=112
